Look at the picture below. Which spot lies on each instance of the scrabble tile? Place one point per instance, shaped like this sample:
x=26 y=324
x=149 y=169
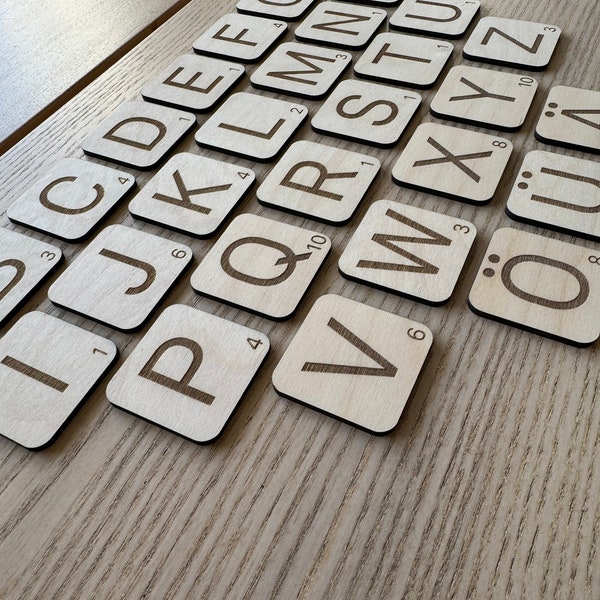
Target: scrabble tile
x=261 y=265
x=404 y=59
x=251 y=126
x=341 y=25
x=71 y=198
x=317 y=181
x=47 y=368
x=511 y=42
x=240 y=37
x=281 y=9
x=120 y=277
x=189 y=372
x=446 y=18
x=557 y=191
x=138 y=134
x=455 y=163
x=484 y=97
x=408 y=250
x=366 y=112
x=354 y=362
x=24 y=263
x=192 y=193
x=541 y=285
x=571 y=118
x=192 y=82
x=301 y=70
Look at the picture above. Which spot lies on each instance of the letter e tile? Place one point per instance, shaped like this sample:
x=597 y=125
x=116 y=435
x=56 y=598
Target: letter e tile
x=541 y=285
x=47 y=368
x=189 y=372
x=354 y=362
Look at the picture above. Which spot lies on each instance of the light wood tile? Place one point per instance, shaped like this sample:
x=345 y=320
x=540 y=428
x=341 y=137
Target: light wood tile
x=192 y=193
x=71 y=198
x=456 y=163
x=540 y=284
x=261 y=265
x=47 y=368
x=366 y=112
x=189 y=372
x=408 y=250
x=354 y=362
x=512 y=42
x=281 y=9
x=484 y=97
x=120 y=276
x=322 y=182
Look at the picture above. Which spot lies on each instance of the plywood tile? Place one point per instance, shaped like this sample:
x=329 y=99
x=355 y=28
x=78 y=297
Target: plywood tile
x=189 y=372
x=456 y=163
x=47 y=368
x=354 y=362
x=408 y=250
x=540 y=284
x=192 y=193
x=318 y=181
x=71 y=198
x=261 y=265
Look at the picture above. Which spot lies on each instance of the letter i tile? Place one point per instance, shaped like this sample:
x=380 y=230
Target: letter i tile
x=540 y=284
x=120 y=277
x=47 y=368
x=354 y=362
x=189 y=372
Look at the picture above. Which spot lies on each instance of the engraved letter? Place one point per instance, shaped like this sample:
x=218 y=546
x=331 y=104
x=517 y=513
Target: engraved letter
x=568 y=205
x=331 y=26
x=236 y=40
x=47 y=203
x=161 y=131
x=313 y=69
x=29 y=371
x=341 y=109
x=20 y=271
x=456 y=12
x=189 y=84
x=323 y=176
x=148 y=269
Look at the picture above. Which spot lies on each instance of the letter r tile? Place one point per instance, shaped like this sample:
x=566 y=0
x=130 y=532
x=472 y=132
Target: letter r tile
x=261 y=265
x=354 y=362
x=189 y=372
x=120 y=277
x=540 y=284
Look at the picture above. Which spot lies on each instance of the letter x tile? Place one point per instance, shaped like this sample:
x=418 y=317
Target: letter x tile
x=354 y=362
x=408 y=250
x=541 y=285
x=456 y=163
x=120 y=277
x=189 y=372
x=47 y=368
x=261 y=265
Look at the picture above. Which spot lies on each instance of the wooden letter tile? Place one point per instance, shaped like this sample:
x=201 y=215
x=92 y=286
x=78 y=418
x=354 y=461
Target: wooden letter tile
x=120 y=277
x=354 y=362
x=541 y=285
x=301 y=70
x=189 y=372
x=261 y=265
x=404 y=59
x=192 y=193
x=484 y=97
x=71 y=198
x=318 y=181
x=24 y=263
x=193 y=83
x=455 y=163
x=47 y=368
x=447 y=18
x=409 y=251
x=139 y=134
x=289 y=10
x=511 y=42
x=571 y=118
x=557 y=191
x=240 y=37
x=366 y=112
x=251 y=126
x=341 y=25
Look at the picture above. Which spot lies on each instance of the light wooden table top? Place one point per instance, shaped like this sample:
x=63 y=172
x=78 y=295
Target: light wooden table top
x=488 y=488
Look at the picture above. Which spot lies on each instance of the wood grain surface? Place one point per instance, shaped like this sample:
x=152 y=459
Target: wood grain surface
x=488 y=488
